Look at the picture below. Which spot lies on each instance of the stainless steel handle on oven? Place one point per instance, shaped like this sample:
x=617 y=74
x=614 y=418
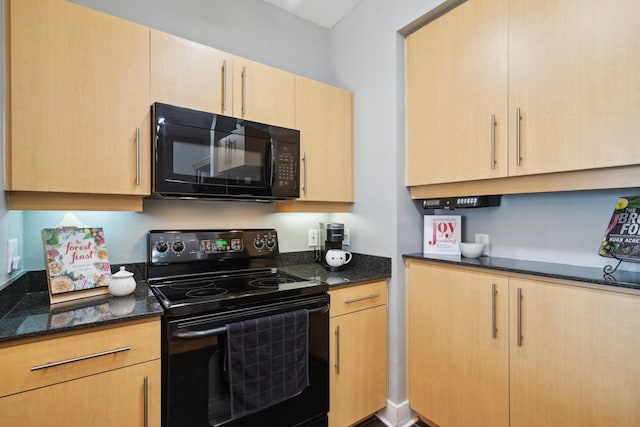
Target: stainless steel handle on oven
x=493 y=141
x=189 y=335
x=337 y=349
x=372 y=296
x=146 y=401
x=78 y=359
x=518 y=119
x=519 y=328
x=494 y=329
x=244 y=90
x=138 y=156
x=304 y=162
x=224 y=86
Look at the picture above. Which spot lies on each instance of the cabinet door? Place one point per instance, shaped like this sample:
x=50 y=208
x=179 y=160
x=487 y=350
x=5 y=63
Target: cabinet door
x=359 y=365
x=324 y=116
x=116 y=398
x=573 y=72
x=456 y=83
x=78 y=100
x=458 y=370
x=188 y=74
x=577 y=362
x=263 y=94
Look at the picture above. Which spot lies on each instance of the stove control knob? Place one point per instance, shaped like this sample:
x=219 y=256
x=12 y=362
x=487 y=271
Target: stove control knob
x=271 y=242
x=162 y=247
x=178 y=246
x=258 y=243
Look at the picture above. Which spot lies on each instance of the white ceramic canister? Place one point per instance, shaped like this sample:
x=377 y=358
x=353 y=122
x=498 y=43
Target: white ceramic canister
x=122 y=283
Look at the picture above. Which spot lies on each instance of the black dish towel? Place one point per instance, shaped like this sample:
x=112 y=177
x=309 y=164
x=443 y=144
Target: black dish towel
x=268 y=360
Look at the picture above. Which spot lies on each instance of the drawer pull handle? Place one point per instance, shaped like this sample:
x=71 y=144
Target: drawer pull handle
x=77 y=359
x=372 y=296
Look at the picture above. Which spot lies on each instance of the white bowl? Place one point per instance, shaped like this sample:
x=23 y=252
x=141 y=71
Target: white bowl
x=471 y=250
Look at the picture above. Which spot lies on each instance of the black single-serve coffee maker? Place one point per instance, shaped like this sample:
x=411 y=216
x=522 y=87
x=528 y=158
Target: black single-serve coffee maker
x=331 y=238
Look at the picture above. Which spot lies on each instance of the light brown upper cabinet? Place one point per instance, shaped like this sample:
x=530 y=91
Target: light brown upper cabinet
x=571 y=94
x=77 y=108
x=263 y=94
x=456 y=91
x=573 y=73
x=190 y=75
x=324 y=116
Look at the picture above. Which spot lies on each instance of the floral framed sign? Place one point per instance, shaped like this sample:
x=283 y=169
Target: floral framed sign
x=77 y=262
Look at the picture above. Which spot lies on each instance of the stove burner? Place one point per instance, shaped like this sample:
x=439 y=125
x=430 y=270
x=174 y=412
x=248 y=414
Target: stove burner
x=206 y=292
x=270 y=282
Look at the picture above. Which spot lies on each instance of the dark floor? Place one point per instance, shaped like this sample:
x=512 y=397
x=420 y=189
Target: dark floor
x=375 y=422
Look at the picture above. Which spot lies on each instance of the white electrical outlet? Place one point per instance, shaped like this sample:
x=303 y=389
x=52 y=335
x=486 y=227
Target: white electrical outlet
x=313 y=237
x=483 y=238
x=12 y=252
x=346 y=240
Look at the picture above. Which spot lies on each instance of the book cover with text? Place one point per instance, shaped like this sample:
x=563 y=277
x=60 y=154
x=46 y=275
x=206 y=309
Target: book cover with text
x=76 y=259
x=442 y=234
x=622 y=238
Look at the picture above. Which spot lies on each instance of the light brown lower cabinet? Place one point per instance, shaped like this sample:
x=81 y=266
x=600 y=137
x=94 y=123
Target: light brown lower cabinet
x=500 y=350
x=358 y=352
x=103 y=377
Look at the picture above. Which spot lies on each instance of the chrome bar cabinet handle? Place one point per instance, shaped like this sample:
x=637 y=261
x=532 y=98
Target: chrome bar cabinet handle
x=304 y=163
x=78 y=359
x=244 y=90
x=518 y=153
x=138 y=157
x=493 y=141
x=146 y=401
x=338 y=349
x=372 y=296
x=519 y=337
x=494 y=329
x=224 y=86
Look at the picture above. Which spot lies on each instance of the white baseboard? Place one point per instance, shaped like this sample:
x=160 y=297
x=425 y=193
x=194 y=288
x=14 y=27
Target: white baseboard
x=397 y=415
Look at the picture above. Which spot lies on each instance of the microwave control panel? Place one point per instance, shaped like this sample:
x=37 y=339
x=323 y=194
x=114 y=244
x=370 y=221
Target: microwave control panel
x=287 y=158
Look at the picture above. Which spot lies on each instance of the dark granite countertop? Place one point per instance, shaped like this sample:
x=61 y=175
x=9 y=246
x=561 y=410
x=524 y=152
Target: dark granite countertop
x=25 y=310
x=589 y=275
x=362 y=268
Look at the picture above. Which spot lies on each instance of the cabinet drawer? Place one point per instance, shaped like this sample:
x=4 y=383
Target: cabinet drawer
x=31 y=364
x=354 y=298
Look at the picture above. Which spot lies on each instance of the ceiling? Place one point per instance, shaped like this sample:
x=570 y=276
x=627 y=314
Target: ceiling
x=325 y=13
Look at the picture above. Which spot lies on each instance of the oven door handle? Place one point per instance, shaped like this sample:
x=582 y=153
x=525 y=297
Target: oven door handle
x=190 y=334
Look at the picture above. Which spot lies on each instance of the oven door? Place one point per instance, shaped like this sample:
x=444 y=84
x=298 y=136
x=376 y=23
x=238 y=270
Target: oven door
x=196 y=382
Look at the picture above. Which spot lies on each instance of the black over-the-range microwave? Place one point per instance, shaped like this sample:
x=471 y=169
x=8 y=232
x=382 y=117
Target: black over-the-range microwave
x=197 y=154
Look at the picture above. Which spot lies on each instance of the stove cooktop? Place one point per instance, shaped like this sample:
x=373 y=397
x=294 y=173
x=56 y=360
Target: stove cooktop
x=205 y=271
x=224 y=292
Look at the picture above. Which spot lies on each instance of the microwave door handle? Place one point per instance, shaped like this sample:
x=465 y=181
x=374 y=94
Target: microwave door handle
x=272 y=163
